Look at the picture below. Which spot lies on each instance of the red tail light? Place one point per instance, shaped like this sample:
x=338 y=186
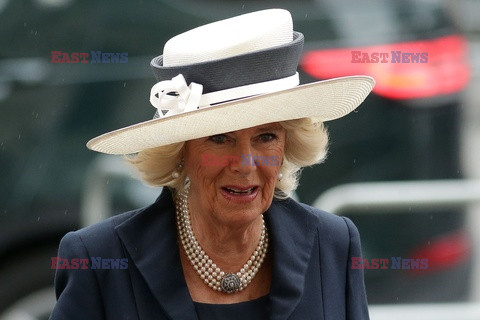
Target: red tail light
x=445 y=252
x=444 y=71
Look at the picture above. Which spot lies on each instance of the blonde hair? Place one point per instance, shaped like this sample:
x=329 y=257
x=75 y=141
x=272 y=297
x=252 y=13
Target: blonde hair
x=305 y=145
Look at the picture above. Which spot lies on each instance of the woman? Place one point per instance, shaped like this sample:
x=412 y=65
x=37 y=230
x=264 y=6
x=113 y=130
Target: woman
x=224 y=240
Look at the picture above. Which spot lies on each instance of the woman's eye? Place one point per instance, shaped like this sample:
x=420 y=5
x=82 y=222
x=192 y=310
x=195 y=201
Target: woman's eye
x=265 y=137
x=218 y=139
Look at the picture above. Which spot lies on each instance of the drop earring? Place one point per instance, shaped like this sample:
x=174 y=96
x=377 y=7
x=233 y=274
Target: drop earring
x=178 y=169
x=280 y=175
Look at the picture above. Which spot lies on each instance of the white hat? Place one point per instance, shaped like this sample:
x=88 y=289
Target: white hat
x=230 y=75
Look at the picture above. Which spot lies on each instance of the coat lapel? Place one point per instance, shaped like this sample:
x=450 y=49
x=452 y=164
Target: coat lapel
x=150 y=239
x=293 y=236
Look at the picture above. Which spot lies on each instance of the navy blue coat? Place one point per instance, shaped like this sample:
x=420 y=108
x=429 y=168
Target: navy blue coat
x=312 y=275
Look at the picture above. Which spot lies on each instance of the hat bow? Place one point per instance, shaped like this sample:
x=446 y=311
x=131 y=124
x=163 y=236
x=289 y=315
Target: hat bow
x=173 y=96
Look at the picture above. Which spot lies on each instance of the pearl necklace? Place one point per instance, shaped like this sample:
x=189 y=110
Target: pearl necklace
x=208 y=271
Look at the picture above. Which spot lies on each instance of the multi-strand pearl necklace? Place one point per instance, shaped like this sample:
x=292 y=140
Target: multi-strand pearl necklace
x=208 y=271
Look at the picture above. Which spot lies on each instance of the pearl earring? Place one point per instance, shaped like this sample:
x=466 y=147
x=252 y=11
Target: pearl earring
x=280 y=176
x=175 y=173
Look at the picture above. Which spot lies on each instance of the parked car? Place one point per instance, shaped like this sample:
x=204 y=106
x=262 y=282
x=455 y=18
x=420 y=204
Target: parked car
x=408 y=129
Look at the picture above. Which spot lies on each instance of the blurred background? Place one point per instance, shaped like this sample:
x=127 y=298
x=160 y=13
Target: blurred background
x=404 y=166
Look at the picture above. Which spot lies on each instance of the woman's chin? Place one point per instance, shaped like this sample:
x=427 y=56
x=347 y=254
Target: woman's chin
x=241 y=209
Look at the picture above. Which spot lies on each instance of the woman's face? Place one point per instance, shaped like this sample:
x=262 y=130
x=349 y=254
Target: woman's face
x=233 y=175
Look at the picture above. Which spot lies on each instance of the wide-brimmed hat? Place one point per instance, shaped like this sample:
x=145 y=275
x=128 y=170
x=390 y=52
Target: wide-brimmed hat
x=230 y=75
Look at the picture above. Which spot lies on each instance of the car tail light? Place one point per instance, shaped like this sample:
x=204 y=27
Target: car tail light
x=445 y=71
x=444 y=252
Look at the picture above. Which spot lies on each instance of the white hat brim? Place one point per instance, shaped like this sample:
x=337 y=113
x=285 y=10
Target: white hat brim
x=326 y=100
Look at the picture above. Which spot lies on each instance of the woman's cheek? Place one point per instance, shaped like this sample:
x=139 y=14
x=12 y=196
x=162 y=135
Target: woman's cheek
x=270 y=183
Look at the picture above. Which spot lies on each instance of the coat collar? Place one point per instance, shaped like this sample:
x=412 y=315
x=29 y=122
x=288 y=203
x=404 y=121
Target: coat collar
x=150 y=239
x=293 y=235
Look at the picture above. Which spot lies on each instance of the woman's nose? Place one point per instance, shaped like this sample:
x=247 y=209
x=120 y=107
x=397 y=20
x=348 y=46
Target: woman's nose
x=244 y=159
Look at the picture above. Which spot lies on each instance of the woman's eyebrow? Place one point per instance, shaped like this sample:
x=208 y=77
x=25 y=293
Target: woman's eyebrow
x=269 y=128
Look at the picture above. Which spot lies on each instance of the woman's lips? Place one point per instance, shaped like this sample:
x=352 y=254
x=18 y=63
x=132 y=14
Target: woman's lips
x=239 y=194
